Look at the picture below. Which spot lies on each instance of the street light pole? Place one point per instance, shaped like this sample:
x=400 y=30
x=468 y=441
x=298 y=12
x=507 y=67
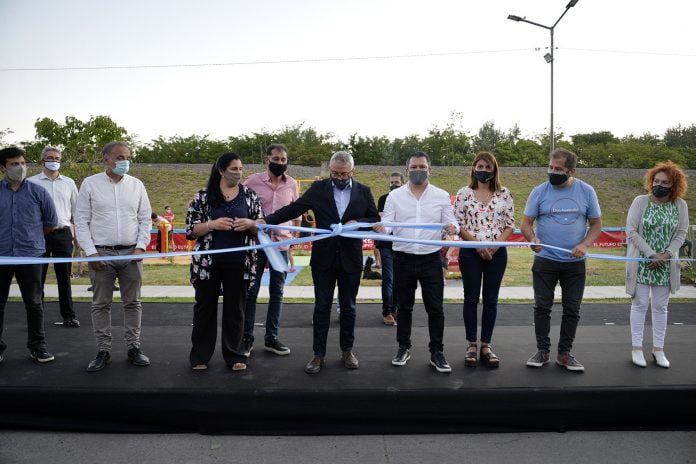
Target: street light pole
x=548 y=57
x=552 y=140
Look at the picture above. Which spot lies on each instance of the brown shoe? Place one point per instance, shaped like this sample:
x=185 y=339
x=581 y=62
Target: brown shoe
x=488 y=358
x=349 y=360
x=314 y=366
x=389 y=319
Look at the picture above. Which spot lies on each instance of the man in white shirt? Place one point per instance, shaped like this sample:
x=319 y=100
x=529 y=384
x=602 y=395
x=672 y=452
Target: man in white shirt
x=419 y=202
x=59 y=243
x=113 y=218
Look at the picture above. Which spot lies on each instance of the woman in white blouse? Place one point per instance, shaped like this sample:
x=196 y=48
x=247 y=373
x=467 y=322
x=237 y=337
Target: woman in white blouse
x=485 y=212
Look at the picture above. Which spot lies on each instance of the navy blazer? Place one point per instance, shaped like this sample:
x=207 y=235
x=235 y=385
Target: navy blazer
x=319 y=198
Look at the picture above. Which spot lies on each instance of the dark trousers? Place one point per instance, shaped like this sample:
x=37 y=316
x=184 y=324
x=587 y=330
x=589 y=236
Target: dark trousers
x=388 y=301
x=275 y=300
x=59 y=244
x=204 y=333
x=409 y=269
x=475 y=270
x=29 y=280
x=545 y=274
x=325 y=281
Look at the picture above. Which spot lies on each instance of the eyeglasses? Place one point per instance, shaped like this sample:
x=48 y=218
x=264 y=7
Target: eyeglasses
x=340 y=175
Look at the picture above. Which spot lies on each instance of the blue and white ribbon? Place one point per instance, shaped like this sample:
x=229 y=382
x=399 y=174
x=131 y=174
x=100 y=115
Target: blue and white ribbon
x=349 y=230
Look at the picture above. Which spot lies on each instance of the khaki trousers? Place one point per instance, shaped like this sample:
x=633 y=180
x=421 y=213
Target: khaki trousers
x=130 y=278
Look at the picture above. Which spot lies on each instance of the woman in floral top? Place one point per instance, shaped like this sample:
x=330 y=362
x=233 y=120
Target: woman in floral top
x=485 y=212
x=222 y=216
x=655 y=228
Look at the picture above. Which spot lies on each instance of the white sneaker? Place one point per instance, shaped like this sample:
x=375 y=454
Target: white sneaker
x=638 y=358
x=660 y=359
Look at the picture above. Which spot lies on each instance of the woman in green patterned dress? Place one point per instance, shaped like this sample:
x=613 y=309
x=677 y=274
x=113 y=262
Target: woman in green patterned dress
x=655 y=228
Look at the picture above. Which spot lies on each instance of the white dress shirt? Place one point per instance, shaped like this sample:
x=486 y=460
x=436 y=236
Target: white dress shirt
x=63 y=191
x=433 y=207
x=112 y=213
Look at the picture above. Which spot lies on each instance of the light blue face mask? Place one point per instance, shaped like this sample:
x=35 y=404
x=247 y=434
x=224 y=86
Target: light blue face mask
x=121 y=167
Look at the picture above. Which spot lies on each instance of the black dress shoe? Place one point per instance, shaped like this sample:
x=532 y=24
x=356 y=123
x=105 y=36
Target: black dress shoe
x=315 y=365
x=103 y=358
x=137 y=358
x=71 y=323
x=349 y=360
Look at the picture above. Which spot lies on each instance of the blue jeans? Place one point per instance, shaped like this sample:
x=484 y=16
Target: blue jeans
x=275 y=300
x=474 y=269
x=325 y=281
x=388 y=303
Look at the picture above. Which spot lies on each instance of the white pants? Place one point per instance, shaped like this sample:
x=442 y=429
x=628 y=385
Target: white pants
x=659 y=295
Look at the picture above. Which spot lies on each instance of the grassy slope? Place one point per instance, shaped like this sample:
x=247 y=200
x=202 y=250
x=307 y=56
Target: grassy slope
x=615 y=188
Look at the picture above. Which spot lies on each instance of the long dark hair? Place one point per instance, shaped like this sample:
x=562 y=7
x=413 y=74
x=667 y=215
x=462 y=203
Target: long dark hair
x=215 y=197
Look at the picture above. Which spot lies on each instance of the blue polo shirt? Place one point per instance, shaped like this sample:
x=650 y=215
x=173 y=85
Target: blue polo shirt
x=23 y=215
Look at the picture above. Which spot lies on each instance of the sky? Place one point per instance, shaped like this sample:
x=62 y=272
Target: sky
x=627 y=66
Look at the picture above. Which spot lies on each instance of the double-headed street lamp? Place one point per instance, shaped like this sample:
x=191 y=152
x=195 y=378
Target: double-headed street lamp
x=549 y=56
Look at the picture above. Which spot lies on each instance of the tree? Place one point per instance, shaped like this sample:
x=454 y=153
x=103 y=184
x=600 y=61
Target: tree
x=404 y=147
x=306 y=146
x=369 y=150
x=544 y=138
x=646 y=139
x=177 y=149
x=80 y=141
x=487 y=138
x=684 y=137
x=594 y=138
x=530 y=153
x=4 y=133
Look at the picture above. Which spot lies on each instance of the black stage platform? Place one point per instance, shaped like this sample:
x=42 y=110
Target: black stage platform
x=275 y=396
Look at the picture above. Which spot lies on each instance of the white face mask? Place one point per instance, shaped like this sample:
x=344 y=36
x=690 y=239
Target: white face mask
x=52 y=165
x=17 y=173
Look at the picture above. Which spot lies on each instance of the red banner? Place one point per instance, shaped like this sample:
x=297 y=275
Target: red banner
x=607 y=239
x=179 y=239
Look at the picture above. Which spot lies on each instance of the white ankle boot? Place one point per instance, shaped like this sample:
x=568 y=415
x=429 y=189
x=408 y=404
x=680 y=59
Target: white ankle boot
x=638 y=358
x=660 y=359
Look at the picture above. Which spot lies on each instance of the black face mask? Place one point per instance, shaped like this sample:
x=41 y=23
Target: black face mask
x=340 y=183
x=660 y=191
x=394 y=187
x=483 y=176
x=557 y=178
x=276 y=168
